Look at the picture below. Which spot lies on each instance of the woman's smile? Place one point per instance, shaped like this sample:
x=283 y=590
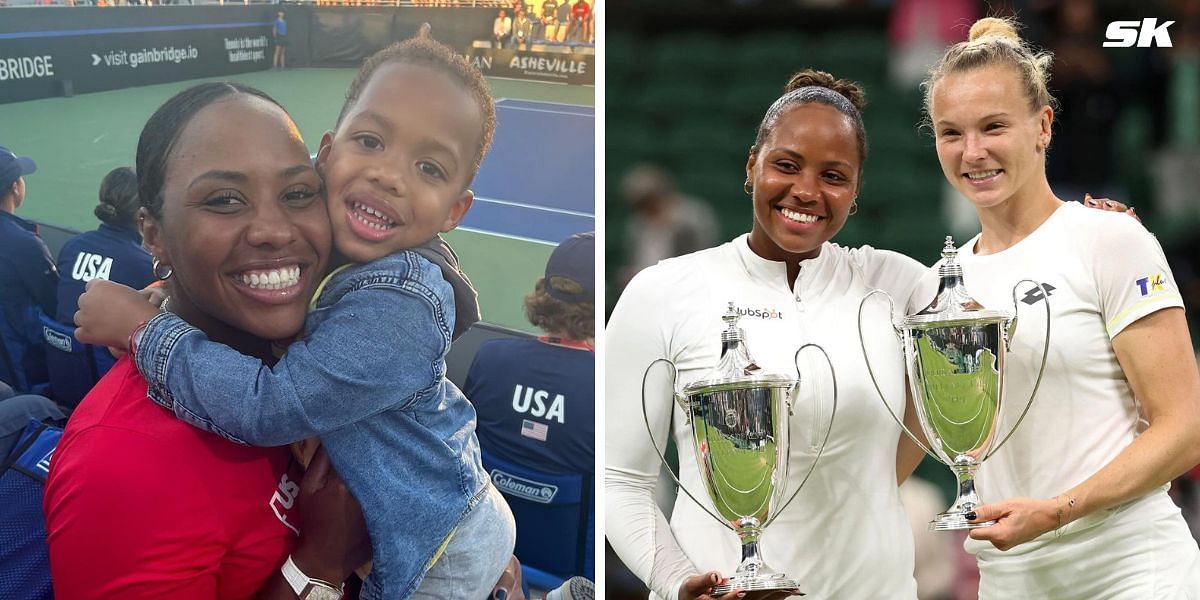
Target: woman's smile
x=272 y=284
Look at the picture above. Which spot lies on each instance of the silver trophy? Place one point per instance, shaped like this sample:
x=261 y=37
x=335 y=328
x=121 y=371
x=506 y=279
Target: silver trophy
x=739 y=417
x=954 y=353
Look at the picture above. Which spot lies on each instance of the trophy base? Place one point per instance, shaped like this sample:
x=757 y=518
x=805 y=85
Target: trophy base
x=778 y=581
x=949 y=521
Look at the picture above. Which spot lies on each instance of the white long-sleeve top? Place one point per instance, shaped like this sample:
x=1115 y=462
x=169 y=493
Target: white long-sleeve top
x=845 y=535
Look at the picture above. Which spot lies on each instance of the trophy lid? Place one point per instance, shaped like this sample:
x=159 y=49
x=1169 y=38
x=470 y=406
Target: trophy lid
x=736 y=369
x=953 y=304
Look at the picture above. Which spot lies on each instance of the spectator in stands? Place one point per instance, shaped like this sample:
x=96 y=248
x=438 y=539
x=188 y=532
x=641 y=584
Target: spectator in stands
x=535 y=398
x=548 y=21
x=522 y=31
x=1084 y=79
x=579 y=18
x=665 y=222
x=590 y=35
x=563 y=16
x=501 y=28
x=280 y=32
x=140 y=505
x=28 y=281
x=112 y=251
x=918 y=31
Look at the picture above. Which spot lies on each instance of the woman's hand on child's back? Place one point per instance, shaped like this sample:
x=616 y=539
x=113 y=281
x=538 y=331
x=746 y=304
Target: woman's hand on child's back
x=109 y=312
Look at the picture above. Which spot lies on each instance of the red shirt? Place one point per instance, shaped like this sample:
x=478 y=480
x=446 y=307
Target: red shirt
x=141 y=505
x=580 y=10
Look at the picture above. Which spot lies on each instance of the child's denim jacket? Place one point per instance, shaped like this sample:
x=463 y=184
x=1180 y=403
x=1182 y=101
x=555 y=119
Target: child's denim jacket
x=367 y=375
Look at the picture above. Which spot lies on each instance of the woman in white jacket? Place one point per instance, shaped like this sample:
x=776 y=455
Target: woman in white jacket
x=845 y=535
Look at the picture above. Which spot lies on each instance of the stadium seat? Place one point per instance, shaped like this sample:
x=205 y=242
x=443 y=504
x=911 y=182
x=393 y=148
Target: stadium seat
x=462 y=351
x=672 y=101
x=624 y=56
x=74 y=367
x=691 y=56
x=24 y=556
x=555 y=518
x=861 y=56
x=784 y=49
x=22 y=372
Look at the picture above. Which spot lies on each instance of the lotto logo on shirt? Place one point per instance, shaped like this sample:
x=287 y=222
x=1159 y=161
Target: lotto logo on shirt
x=1151 y=285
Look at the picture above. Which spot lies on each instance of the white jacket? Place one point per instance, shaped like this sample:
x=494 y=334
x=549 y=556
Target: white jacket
x=845 y=535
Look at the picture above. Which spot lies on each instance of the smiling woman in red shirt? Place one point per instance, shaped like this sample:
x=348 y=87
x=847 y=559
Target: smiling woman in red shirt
x=140 y=504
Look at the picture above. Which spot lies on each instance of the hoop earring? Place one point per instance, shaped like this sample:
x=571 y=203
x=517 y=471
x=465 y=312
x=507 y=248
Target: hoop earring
x=158 y=270
x=746 y=187
x=853 y=207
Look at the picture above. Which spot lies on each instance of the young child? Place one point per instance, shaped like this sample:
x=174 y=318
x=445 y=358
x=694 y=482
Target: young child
x=367 y=373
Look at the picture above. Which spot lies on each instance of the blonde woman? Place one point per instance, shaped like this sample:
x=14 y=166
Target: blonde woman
x=1082 y=506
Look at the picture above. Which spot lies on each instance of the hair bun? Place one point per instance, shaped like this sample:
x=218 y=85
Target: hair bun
x=812 y=77
x=105 y=212
x=994 y=27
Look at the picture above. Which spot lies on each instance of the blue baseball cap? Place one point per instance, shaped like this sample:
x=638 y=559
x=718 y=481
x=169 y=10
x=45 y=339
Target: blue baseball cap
x=13 y=166
x=573 y=259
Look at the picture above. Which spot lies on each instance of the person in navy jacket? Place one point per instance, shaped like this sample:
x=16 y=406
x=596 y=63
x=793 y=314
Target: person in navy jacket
x=535 y=398
x=27 y=281
x=112 y=251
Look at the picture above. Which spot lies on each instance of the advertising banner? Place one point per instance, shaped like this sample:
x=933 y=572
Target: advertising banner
x=558 y=67
x=40 y=64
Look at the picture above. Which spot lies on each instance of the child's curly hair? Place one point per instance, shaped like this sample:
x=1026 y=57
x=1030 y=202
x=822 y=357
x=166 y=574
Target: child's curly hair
x=426 y=52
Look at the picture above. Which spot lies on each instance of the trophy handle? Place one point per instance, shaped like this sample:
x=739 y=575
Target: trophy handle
x=1008 y=332
x=828 y=430
x=867 y=359
x=650 y=432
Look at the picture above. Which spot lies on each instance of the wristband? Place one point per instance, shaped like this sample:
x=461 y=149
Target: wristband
x=308 y=588
x=135 y=336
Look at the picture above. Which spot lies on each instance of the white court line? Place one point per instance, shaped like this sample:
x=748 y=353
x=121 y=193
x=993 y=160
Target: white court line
x=506 y=235
x=503 y=100
x=561 y=211
x=553 y=112
x=591 y=85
